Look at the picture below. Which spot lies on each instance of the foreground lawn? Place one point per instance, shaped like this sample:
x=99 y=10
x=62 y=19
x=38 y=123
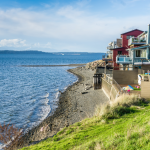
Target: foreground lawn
x=130 y=131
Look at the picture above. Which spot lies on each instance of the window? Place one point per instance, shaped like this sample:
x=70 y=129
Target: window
x=119 y=52
x=138 y=53
x=129 y=36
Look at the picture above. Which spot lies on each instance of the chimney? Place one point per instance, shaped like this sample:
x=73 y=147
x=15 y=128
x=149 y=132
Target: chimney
x=148 y=35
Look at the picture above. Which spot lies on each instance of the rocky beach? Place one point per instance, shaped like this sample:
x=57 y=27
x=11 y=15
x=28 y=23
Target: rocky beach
x=78 y=102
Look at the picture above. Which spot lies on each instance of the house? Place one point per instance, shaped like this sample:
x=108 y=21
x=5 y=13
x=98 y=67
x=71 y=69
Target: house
x=138 y=51
x=131 y=59
x=118 y=47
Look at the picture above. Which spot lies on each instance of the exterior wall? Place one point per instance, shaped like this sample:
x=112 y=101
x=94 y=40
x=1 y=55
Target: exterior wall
x=138 y=59
x=134 y=33
x=103 y=70
x=145 y=86
x=115 y=53
x=126 y=77
x=145 y=67
x=106 y=87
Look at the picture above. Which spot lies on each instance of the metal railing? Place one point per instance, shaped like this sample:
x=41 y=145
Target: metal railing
x=140 y=59
x=109 y=79
x=110 y=47
x=117 y=86
x=109 y=52
x=123 y=59
x=136 y=40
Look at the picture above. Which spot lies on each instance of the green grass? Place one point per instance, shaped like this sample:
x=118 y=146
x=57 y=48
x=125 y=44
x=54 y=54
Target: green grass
x=137 y=89
x=124 y=126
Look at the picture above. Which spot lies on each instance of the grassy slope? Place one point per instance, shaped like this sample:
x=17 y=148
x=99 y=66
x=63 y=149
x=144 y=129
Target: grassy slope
x=129 y=131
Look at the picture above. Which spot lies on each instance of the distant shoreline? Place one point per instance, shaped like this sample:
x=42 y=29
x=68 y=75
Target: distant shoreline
x=69 y=65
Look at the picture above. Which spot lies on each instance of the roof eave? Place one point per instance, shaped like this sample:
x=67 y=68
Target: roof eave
x=131 y=31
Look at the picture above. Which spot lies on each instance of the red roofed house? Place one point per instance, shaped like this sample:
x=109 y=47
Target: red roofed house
x=119 y=46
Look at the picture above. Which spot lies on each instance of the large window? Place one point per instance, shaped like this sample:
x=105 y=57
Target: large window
x=129 y=36
x=138 y=53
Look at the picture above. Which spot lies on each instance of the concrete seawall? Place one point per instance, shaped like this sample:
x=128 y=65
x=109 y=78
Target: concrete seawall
x=110 y=90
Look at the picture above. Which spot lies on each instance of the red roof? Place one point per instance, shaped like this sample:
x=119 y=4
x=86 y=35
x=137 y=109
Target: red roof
x=132 y=31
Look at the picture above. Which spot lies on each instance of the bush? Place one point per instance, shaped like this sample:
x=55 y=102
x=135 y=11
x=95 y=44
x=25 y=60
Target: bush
x=10 y=136
x=120 y=106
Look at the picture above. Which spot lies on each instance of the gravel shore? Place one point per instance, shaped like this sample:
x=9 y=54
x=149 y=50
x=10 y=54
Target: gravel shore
x=78 y=102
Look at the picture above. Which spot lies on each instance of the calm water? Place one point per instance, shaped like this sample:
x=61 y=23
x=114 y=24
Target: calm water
x=29 y=94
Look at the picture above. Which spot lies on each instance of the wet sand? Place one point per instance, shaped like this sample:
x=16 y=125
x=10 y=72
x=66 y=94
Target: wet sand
x=78 y=102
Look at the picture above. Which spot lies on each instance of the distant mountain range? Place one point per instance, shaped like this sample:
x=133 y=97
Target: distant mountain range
x=23 y=52
x=75 y=53
x=40 y=52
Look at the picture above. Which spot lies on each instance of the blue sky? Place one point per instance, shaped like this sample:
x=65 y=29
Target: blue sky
x=69 y=25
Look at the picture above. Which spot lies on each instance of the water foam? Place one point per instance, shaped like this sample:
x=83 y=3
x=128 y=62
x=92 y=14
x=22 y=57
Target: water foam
x=57 y=95
x=47 y=95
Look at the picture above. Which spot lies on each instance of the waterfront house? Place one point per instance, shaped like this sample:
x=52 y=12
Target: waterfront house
x=138 y=51
x=118 y=47
x=131 y=65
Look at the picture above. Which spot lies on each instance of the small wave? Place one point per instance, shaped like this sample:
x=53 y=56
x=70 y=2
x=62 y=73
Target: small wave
x=65 y=87
x=47 y=95
x=39 y=113
x=57 y=95
x=56 y=89
x=33 y=101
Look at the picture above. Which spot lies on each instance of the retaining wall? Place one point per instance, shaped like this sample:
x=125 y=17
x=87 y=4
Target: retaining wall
x=126 y=77
x=110 y=91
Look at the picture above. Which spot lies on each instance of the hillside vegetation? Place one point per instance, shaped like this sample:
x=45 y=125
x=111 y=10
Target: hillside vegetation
x=121 y=125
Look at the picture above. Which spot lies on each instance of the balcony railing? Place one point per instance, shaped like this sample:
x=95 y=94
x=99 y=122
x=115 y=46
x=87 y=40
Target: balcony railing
x=135 y=40
x=141 y=59
x=123 y=60
x=110 y=47
x=109 y=52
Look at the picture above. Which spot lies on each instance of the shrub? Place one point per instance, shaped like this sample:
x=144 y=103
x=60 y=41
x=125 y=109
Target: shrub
x=120 y=106
x=10 y=136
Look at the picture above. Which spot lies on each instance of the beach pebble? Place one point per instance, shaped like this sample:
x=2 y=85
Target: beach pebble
x=41 y=129
x=84 y=92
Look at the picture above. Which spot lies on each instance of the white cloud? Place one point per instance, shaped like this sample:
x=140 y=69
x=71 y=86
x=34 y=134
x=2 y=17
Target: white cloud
x=38 y=45
x=12 y=43
x=48 y=45
x=68 y=27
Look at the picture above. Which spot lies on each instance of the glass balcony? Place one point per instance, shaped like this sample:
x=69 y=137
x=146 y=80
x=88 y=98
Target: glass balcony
x=136 y=41
x=123 y=60
x=109 y=52
x=140 y=59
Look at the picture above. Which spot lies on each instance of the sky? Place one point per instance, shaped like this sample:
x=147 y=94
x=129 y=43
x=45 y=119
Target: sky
x=69 y=25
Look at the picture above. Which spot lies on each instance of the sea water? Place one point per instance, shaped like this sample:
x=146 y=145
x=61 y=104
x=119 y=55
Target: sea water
x=29 y=94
